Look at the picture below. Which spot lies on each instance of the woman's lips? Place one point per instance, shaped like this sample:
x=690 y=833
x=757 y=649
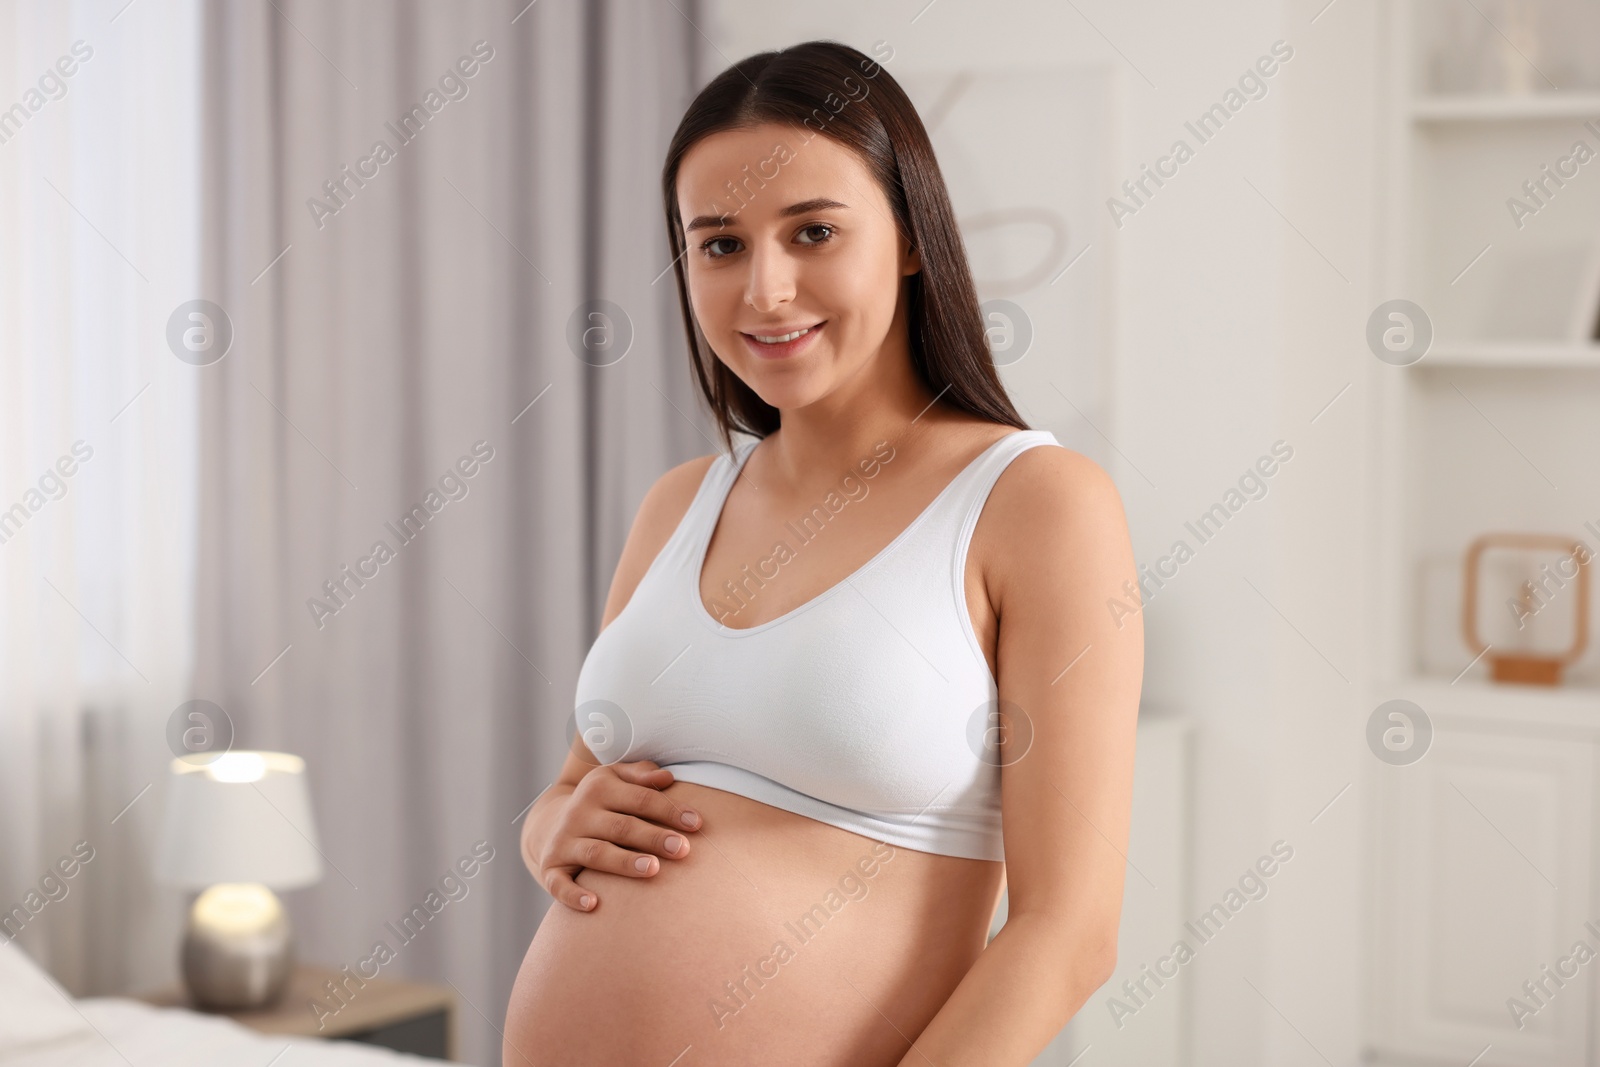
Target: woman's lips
x=787 y=348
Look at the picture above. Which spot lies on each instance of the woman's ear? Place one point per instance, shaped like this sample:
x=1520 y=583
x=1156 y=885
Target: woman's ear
x=913 y=261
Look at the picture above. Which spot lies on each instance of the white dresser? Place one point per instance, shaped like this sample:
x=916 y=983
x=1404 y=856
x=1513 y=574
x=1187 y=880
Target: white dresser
x=1154 y=908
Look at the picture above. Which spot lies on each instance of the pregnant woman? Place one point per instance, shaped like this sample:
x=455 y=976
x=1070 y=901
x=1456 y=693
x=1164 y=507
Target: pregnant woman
x=871 y=666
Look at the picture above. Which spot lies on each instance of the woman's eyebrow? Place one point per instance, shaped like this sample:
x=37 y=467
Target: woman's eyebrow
x=804 y=207
x=816 y=203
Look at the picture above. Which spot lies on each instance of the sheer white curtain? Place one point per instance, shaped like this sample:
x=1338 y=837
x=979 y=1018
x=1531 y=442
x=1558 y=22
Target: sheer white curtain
x=98 y=245
x=418 y=319
x=370 y=353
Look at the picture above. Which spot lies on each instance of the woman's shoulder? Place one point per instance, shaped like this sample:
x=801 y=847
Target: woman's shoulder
x=663 y=508
x=1048 y=500
x=1049 y=482
x=667 y=501
x=971 y=437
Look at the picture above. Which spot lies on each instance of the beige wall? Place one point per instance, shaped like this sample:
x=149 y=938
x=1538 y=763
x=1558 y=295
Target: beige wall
x=1240 y=294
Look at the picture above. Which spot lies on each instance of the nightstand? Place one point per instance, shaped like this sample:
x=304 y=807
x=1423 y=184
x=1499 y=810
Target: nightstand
x=405 y=1016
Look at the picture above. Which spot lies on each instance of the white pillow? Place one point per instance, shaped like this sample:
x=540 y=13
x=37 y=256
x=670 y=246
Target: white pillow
x=33 y=1008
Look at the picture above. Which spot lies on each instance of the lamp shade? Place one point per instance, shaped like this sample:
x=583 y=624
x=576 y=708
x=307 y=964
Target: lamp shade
x=241 y=817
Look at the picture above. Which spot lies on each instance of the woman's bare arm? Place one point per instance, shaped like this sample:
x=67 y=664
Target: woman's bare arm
x=663 y=507
x=1070 y=673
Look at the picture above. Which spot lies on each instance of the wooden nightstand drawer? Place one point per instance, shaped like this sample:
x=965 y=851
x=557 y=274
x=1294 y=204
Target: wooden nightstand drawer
x=425 y=1035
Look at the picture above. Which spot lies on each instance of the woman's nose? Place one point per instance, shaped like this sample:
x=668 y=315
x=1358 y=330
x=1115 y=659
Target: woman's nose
x=771 y=281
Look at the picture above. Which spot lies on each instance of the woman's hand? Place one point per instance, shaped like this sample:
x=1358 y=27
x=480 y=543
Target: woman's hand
x=616 y=819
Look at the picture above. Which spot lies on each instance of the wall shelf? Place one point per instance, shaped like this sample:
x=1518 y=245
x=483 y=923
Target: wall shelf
x=1565 y=710
x=1512 y=355
x=1490 y=107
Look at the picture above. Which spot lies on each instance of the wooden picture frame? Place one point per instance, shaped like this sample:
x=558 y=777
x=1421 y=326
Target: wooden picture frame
x=1521 y=667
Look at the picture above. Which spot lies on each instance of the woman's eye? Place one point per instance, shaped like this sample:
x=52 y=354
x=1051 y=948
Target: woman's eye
x=709 y=251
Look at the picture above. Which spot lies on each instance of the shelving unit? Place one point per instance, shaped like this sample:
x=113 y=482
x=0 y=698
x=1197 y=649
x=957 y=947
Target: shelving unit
x=1513 y=356
x=1473 y=107
x=1493 y=428
x=1484 y=865
x=1561 y=712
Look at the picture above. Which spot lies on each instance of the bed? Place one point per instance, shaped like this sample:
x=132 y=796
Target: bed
x=43 y=1026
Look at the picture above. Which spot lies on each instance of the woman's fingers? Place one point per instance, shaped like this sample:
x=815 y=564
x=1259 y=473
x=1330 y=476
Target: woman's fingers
x=612 y=796
x=654 y=805
x=647 y=835
x=604 y=855
x=617 y=820
x=643 y=772
x=560 y=884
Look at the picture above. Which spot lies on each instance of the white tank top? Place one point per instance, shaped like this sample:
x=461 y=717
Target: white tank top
x=870 y=707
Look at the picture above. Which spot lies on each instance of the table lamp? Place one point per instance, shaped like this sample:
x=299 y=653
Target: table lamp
x=236 y=826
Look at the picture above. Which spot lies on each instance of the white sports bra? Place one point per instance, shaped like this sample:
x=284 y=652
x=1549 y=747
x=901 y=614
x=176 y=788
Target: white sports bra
x=869 y=707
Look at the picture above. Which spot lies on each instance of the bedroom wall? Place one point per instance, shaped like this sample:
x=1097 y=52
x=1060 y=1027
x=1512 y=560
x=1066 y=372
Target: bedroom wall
x=1239 y=291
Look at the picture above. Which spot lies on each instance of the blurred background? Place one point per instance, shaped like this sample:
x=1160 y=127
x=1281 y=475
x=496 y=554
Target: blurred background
x=1355 y=243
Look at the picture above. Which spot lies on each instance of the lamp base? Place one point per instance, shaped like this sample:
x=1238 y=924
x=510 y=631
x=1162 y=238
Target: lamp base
x=237 y=950
x=1526 y=670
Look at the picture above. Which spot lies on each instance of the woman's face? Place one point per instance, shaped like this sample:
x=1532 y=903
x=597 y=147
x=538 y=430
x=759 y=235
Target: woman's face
x=785 y=233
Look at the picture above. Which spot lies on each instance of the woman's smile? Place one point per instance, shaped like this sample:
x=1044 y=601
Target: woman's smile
x=767 y=344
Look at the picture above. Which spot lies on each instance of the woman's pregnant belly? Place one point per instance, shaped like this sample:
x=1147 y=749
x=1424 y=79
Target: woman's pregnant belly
x=777 y=939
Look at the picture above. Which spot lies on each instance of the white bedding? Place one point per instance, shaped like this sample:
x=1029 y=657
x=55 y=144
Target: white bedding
x=41 y=1025
x=128 y=1031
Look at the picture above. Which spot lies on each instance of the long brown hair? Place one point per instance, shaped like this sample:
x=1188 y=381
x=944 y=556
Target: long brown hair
x=831 y=89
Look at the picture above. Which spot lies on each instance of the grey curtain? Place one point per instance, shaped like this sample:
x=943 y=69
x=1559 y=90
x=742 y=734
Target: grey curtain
x=402 y=372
